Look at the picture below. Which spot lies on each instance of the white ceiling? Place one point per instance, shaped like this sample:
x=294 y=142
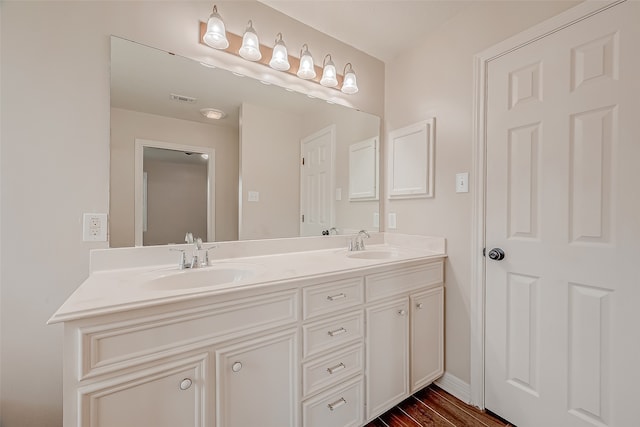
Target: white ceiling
x=380 y=28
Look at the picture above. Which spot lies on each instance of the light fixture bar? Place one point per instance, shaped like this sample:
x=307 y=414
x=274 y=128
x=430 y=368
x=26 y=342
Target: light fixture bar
x=235 y=41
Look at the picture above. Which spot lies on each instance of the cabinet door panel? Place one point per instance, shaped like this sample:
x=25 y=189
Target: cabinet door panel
x=257 y=382
x=387 y=355
x=168 y=395
x=427 y=337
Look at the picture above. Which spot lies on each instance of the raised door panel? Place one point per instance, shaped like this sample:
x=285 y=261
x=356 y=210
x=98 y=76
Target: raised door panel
x=387 y=355
x=427 y=337
x=257 y=382
x=168 y=395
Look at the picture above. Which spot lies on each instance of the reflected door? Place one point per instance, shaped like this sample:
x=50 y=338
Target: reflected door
x=317 y=182
x=562 y=147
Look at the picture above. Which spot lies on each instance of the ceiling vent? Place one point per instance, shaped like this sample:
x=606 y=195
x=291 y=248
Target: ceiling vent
x=183 y=98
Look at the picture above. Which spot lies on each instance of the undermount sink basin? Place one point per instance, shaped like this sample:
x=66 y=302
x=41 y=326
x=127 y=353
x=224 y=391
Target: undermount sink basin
x=373 y=254
x=201 y=277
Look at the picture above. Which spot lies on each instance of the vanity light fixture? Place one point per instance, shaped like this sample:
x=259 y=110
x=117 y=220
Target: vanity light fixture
x=250 y=49
x=307 y=70
x=329 y=78
x=349 y=85
x=216 y=35
x=212 y=113
x=280 y=57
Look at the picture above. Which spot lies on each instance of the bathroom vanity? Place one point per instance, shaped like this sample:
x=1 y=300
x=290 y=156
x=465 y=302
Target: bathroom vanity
x=288 y=332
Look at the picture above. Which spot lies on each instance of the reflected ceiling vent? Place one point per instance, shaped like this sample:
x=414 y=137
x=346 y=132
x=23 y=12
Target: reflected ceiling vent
x=183 y=98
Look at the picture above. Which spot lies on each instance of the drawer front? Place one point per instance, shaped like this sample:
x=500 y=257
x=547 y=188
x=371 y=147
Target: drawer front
x=105 y=349
x=327 y=298
x=383 y=285
x=339 y=407
x=332 y=369
x=320 y=336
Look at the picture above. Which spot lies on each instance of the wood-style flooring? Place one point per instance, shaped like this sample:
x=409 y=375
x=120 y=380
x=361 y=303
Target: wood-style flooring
x=433 y=406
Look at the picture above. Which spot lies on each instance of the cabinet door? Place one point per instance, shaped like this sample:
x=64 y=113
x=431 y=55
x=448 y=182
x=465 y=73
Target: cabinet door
x=387 y=355
x=167 y=395
x=427 y=337
x=257 y=382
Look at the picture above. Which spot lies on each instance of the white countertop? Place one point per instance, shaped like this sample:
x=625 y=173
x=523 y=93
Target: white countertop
x=116 y=289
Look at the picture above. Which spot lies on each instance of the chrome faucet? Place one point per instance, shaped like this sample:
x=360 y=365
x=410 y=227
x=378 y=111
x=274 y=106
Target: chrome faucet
x=197 y=260
x=357 y=243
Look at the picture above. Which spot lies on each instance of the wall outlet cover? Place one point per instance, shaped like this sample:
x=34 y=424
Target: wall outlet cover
x=94 y=227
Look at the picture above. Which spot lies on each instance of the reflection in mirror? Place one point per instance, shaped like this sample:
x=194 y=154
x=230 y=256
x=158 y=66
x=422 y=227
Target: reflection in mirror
x=174 y=193
x=259 y=187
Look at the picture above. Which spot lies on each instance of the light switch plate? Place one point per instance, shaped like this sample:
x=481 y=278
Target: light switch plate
x=462 y=182
x=392 y=221
x=253 y=196
x=94 y=227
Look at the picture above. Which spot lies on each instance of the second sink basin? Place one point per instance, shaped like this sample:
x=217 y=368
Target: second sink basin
x=201 y=277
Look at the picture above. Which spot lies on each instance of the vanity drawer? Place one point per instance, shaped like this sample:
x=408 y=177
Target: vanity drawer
x=320 y=336
x=339 y=407
x=383 y=285
x=327 y=298
x=330 y=370
x=118 y=345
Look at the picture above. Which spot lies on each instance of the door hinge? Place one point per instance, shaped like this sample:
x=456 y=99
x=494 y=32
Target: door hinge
x=302 y=217
x=303 y=161
x=484 y=252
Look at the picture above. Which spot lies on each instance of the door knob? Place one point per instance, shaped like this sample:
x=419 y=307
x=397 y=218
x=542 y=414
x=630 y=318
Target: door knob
x=496 y=254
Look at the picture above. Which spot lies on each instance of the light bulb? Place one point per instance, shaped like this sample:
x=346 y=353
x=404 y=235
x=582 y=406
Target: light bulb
x=329 y=78
x=216 y=35
x=349 y=85
x=307 y=69
x=250 y=49
x=280 y=57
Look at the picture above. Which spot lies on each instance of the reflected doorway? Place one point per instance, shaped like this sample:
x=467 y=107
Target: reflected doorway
x=174 y=192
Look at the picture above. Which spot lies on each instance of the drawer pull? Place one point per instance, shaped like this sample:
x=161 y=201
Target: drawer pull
x=336 y=368
x=185 y=384
x=337 y=332
x=337 y=297
x=338 y=403
x=236 y=367
x=419 y=305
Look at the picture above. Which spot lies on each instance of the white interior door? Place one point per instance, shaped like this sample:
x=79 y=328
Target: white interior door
x=563 y=142
x=317 y=181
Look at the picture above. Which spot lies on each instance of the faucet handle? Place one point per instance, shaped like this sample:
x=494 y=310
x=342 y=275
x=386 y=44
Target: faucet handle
x=188 y=238
x=206 y=253
x=183 y=258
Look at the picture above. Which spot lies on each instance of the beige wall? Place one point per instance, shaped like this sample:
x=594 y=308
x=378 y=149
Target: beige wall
x=269 y=164
x=435 y=78
x=349 y=215
x=176 y=201
x=127 y=125
x=55 y=157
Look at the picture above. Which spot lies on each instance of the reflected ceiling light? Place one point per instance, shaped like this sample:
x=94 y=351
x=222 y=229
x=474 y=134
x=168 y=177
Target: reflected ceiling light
x=250 y=49
x=280 y=57
x=205 y=156
x=212 y=113
x=216 y=35
x=349 y=85
x=307 y=70
x=329 y=78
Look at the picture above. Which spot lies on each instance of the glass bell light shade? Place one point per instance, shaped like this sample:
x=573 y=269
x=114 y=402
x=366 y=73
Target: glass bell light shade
x=216 y=35
x=329 y=78
x=280 y=57
x=250 y=49
x=349 y=85
x=307 y=70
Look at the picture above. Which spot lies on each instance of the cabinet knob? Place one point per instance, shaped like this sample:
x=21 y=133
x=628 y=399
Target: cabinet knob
x=236 y=367
x=185 y=384
x=402 y=312
x=419 y=305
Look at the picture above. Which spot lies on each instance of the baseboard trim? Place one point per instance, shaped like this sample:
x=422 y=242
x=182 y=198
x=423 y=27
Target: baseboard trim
x=455 y=386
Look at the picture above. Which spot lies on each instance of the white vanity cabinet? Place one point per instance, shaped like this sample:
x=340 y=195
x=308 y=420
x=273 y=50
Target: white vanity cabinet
x=404 y=345
x=256 y=382
x=332 y=350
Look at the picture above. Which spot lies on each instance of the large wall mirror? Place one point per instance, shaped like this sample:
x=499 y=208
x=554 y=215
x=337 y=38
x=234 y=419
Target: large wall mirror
x=277 y=164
